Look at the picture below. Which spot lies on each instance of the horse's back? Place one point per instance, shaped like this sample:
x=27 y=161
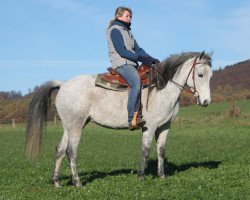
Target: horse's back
x=79 y=99
x=72 y=95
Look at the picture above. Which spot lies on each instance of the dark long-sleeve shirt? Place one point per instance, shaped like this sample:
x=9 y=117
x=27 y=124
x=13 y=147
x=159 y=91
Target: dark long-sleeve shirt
x=120 y=47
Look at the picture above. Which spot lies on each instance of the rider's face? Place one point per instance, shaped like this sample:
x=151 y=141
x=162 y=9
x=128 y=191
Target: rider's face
x=126 y=17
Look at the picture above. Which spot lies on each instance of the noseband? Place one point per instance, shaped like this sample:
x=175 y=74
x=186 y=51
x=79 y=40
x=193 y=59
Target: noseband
x=191 y=90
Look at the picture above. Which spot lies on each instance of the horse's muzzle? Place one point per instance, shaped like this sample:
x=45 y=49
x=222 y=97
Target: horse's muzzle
x=205 y=103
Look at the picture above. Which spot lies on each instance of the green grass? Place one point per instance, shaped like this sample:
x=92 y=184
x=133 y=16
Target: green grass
x=208 y=157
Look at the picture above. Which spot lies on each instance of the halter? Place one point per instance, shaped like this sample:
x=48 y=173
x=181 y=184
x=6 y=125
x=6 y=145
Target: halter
x=191 y=90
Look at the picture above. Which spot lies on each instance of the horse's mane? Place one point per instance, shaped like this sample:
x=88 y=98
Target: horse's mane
x=173 y=64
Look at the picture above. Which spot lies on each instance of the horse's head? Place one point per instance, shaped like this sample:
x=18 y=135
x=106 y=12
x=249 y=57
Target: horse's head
x=199 y=78
x=190 y=68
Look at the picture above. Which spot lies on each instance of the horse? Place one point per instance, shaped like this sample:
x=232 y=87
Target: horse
x=79 y=101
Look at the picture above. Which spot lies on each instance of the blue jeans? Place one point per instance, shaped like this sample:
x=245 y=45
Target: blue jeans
x=130 y=74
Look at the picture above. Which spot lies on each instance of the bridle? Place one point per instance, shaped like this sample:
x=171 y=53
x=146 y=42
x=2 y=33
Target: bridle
x=191 y=90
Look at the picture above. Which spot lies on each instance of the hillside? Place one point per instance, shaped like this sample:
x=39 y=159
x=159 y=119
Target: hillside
x=231 y=83
x=237 y=76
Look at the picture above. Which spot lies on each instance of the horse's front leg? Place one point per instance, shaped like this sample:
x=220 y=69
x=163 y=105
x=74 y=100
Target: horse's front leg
x=147 y=137
x=161 y=137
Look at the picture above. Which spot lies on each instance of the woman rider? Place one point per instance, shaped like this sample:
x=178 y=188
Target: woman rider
x=124 y=53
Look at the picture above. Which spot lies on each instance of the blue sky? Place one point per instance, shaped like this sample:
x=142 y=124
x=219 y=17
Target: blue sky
x=43 y=40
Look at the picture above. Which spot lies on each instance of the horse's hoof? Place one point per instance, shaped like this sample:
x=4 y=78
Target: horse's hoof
x=162 y=177
x=57 y=185
x=141 y=178
x=78 y=184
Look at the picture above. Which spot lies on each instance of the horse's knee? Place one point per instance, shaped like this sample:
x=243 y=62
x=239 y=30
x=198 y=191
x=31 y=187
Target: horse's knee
x=145 y=151
x=59 y=152
x=69 y=152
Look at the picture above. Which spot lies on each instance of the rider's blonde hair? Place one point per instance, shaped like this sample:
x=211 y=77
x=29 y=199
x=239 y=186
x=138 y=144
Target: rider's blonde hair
x=118 y=13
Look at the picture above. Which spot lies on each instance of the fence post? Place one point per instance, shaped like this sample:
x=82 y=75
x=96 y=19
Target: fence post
x=13 y=123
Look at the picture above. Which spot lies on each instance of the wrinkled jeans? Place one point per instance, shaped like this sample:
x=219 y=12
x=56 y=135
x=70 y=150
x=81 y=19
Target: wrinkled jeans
x=130 y=74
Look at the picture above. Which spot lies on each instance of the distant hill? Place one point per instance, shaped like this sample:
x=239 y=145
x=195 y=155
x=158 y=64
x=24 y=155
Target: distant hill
x=231 y=83
x=227 y=84
x=237 y=76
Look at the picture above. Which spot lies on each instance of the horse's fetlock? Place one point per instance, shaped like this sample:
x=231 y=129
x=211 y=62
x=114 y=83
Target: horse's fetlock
x=141 y=175
x=145 y=152
x=162 y=151
x=55 y=178
x=161 y=173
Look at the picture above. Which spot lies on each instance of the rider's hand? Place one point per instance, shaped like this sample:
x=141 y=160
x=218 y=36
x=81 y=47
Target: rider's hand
x=147 y=60
x=156 y=61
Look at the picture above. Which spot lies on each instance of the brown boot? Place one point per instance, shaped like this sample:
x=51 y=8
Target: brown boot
x=137 y=122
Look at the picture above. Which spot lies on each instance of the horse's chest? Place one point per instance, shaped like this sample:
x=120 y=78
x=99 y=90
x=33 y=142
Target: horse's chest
x=169 y=114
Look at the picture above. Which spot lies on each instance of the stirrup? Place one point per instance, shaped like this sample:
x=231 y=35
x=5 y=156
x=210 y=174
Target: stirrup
x=136 y=122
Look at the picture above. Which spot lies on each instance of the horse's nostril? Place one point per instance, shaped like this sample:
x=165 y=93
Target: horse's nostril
x=205 y=103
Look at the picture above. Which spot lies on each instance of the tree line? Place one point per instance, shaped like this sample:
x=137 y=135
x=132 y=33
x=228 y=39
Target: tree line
x=14 y=106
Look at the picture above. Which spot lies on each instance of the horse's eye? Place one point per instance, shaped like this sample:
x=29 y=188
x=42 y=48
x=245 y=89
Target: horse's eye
x=200 y=75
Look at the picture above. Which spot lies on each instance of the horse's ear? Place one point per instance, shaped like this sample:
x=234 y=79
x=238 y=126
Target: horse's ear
x=211 y=53
x=202 y=55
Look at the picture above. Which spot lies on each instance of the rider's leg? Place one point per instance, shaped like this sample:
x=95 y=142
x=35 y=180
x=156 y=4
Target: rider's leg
x=130 y=74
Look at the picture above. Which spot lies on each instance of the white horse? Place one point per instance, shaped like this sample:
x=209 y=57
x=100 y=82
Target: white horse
x=79 y=101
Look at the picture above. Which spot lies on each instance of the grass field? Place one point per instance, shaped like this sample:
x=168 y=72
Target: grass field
x=208 y=157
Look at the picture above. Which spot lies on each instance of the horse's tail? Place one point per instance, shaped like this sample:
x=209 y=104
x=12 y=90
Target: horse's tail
x=37 y=116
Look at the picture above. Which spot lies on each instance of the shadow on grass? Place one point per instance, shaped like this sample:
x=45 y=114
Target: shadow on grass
x=170 y=169
x=88 y=177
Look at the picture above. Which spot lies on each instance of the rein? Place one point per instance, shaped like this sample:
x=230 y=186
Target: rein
x=189 y=89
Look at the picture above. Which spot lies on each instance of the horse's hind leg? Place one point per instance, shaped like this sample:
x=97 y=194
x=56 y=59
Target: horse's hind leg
x=73 y=141
x=60 y=153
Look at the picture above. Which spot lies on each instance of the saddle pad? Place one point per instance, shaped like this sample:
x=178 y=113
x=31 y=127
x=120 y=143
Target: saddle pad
x=110 y=86
x=113 y=81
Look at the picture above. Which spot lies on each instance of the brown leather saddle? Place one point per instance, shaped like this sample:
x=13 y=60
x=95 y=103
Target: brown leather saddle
x=114 y=81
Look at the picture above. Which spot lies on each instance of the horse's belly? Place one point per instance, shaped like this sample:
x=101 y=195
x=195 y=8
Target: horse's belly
x=109 y=108
x=110 y=115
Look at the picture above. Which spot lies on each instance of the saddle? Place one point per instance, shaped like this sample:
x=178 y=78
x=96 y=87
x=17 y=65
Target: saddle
x=114 y=81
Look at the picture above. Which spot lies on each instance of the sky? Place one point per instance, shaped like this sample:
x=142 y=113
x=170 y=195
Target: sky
x=42 y=40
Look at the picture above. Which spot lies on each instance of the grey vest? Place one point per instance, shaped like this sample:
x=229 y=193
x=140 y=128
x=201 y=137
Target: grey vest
x=115 y=59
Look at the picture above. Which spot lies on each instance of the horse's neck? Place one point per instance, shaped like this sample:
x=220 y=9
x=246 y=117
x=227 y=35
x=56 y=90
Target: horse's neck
x=169 y=95
x=182 y=76
x=173 y=89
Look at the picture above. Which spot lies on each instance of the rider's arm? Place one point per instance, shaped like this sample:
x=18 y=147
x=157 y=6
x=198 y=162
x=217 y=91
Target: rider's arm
x=139 y=55
x=118 y=43
x=139 y=50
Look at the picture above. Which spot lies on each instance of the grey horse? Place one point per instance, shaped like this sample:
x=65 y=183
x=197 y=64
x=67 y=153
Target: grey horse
x=79 y=101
